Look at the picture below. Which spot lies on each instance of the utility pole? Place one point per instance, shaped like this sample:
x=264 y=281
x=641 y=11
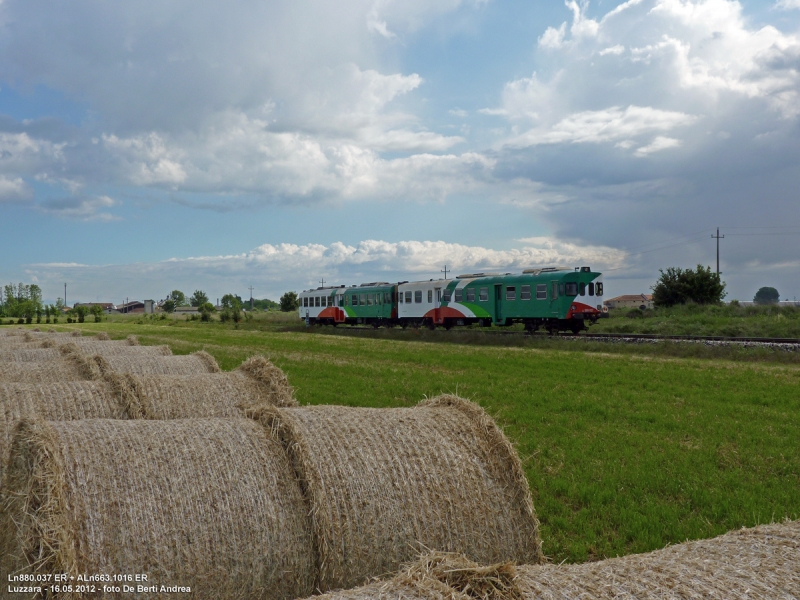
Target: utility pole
x=65 y=295
x=444 y=271
x=322 y=282
x=251 y=297
x=718 y=237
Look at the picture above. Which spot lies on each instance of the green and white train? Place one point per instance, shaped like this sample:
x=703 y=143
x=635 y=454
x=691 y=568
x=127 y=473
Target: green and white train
x=551 y=298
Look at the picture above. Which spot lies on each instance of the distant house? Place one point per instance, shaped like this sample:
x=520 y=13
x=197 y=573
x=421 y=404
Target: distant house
x=642 y=301
x=186 y=310
x=107 y=307
x=134 y=306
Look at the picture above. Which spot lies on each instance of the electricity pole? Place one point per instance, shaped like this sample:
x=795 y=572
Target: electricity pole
x=65 y=295
x=444 y=271
x=251 y=297
x=322 y=282
x=718 y=237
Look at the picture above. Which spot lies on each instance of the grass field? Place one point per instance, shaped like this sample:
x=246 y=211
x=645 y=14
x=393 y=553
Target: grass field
x=625 y=452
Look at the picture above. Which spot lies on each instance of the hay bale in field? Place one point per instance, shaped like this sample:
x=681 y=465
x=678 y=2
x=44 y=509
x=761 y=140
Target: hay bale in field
x=207 y=503
x=255 y=383
x=87 y=343
x=71 y=367
x=27 y=354
x=383 y=484
x=119 y=348
x=761 y=562
x=192 y=364
x=63 y=401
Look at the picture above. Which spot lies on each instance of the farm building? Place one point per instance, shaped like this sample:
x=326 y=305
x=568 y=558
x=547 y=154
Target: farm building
x=631 y=301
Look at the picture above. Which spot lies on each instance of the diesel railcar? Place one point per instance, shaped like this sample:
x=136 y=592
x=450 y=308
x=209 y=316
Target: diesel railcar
x=551 y=298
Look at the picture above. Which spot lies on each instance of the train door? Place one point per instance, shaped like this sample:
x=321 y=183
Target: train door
x=554 y=297
x=498 y=303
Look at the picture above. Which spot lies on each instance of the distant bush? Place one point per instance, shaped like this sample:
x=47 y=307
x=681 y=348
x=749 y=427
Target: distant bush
x=679 y=286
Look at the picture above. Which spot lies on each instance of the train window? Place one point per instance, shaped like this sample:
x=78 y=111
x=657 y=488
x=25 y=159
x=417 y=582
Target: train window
x=553 y=290
x=525 y=292
x=591 y=289
x=541 y=291
x=355 y=299
x=418 y=297
x=511 y=293
x=408 y=297
x=599 y=288
x=370 y=299
x=459 y=295
x=430 y=296
x=341 y=300
x=362 y=300
x=305 y=301
x=400 y=298
x=572 y=289
x=470 y=294
x=484 y=294
x=583 y=289
x=387 y=297
x=561 y=291
x=316 y=300
x=446 y=295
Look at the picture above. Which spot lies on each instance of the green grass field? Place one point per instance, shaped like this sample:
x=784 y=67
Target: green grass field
x=625 y=452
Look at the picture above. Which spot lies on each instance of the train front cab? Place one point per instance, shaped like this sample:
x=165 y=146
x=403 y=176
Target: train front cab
x=554 y=298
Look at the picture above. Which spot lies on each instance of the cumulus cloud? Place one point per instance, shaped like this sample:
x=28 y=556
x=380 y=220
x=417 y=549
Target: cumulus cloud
x=275 y=268
x=82 y=209
x=787 y=4
x=13 y=189
x=606 y=125
x=658 y=144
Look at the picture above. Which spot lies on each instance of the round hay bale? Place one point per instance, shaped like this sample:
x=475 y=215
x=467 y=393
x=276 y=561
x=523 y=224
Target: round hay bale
x=118 y=348
x=383 y=484
x=71 y=367
x=209 y=503
x=192 y=364
x=25 y=354
x=254 y=384
x=761 y=562
x=63 y=401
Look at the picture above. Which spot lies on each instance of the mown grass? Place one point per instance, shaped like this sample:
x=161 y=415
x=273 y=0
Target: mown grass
x=624 y=452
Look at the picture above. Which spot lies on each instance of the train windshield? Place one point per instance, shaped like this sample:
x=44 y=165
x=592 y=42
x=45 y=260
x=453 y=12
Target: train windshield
x=572 y=289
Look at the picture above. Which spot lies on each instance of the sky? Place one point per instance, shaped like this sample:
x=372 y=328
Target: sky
x=176 y=144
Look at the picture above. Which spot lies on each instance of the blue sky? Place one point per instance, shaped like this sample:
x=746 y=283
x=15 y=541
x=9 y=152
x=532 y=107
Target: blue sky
x=159 y=145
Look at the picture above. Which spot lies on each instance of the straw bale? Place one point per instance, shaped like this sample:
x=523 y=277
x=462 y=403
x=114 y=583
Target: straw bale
x=71 y=367
x=383 y=484
x=118 y=348
x=27 y=354
x=254 y=384
x=206 y=503
x=192 y=364
x=761 y=562
x=63 y=401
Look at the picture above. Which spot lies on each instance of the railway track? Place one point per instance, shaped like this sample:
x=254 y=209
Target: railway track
x=632 y=338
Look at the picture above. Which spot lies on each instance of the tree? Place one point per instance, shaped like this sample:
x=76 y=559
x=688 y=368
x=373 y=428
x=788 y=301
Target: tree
x=767 y=295
x=679 y=286
x=205 y=311
x=231 y=301
x=169 y=305
x=80 y=311
x=178 y=297
x=198 y=298
x=97 y=313
x=289 y=302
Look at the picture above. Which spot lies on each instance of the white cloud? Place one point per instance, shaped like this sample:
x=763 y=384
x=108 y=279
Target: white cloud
x=615 y=50
x=278 y=267
x=81 y=209
x=658 y=144
x=552 y=37
x=606 y=125
x=13 y=189
x=787 y=4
